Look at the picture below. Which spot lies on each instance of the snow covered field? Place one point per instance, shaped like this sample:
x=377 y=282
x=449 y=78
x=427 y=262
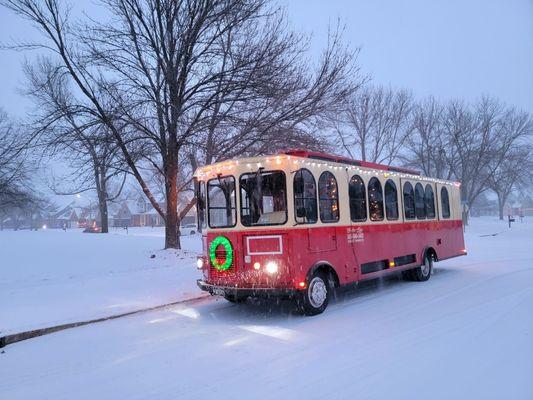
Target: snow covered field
x=467 y=333
x=51 y=277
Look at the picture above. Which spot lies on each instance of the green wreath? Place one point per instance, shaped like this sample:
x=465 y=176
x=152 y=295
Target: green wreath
x=221 y=240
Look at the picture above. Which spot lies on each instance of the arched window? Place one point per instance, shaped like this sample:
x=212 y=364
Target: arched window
x=357 y=193
x=408 y=201
x=375 y=200
x=430 y=202
x=391 y=200
x=445 y=202
x=304 y=187
x=328 y=196
x=420 y=206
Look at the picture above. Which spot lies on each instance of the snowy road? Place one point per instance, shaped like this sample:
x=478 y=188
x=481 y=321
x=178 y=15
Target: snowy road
x=465 y=334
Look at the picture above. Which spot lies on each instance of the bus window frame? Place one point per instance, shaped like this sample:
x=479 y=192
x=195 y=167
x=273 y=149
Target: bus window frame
x=403 y=185
x=424 y=217
x=430 y=186
x=338 y=200
x=381 y=186
x=198 y=185
x=208 y=205
x=365 y=198
x=442 y=203
x=385 y=200
x=294 y=198
x=286 y=203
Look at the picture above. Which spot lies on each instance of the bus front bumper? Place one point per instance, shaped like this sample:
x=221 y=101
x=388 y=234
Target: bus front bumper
x=246 y=292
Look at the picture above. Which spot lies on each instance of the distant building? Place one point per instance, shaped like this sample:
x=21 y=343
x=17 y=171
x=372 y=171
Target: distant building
x=139 y=212
x=126 y=213
x=65 y=218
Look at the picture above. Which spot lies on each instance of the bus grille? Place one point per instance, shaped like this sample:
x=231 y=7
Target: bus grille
x=215 y=273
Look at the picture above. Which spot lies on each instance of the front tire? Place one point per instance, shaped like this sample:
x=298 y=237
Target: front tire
x=315 y=298
x=235 y=299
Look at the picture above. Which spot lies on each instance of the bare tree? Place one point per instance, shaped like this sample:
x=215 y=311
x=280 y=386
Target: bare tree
x=513 y=173
x=427 y=145
x=167 y=66
x=64 y=128
x=481 y=138
x=15 y=187
x=18 y=198
x=375 y=123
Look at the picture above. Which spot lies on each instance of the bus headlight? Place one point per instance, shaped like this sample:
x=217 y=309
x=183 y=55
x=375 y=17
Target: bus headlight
x=271 y=267
x=200 y=263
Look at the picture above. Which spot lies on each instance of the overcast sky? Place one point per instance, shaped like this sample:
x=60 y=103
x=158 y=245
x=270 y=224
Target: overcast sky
x=448 y=48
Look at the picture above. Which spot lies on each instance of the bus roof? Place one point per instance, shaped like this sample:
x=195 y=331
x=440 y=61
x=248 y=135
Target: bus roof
x=316 y=155
x=227 y=166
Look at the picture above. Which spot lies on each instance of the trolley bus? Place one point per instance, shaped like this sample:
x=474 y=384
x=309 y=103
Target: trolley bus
x=301 y=223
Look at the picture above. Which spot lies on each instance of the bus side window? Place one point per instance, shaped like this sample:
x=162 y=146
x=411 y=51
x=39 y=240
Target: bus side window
x=357 y=193
x=328 y=197
x=375 y=199
x=445 y=202
x=430 y=202
x=408 y=201
x=391 y=200
x=305 y=197
x=420 y=206
x=200 y=205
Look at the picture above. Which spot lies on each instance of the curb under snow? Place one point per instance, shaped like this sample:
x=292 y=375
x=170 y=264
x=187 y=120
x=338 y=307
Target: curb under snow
x=18 y=337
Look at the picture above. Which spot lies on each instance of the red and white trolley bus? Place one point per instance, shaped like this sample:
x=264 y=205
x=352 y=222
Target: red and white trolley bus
x=301 y=223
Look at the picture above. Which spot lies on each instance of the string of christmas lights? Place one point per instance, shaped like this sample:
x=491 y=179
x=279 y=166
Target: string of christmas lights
x=204 y=173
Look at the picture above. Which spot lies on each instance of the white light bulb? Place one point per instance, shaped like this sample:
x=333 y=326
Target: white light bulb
x=271 y=267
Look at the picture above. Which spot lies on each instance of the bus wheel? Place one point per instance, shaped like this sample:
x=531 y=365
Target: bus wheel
x=422 y=273
x=235 y=299
x=315 y=298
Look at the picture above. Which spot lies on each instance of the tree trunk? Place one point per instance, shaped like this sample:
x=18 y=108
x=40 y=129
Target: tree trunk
x=104 y=218
x=101 y=192
x=500 y=206
x=172 y=240
x=465 y=215
x=102 y=207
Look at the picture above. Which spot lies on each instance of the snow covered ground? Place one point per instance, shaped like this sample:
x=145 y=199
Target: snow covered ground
x=51 y=277
x=467 y=333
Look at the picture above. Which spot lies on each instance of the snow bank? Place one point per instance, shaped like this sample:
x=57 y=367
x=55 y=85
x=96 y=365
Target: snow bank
x=52 y=277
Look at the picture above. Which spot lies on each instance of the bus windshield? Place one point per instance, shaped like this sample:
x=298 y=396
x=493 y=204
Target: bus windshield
x=221 y=202
x=200 y=205
x=263 y=198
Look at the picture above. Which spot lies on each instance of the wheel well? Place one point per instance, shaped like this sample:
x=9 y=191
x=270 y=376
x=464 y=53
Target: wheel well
x=431 y=252
x=328 y=270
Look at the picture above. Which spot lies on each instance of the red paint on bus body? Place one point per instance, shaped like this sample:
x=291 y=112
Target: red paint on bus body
x=345 y=248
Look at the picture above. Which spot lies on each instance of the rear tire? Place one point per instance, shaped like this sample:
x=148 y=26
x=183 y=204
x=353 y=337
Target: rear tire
x=421 y=273
x=315 y=298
